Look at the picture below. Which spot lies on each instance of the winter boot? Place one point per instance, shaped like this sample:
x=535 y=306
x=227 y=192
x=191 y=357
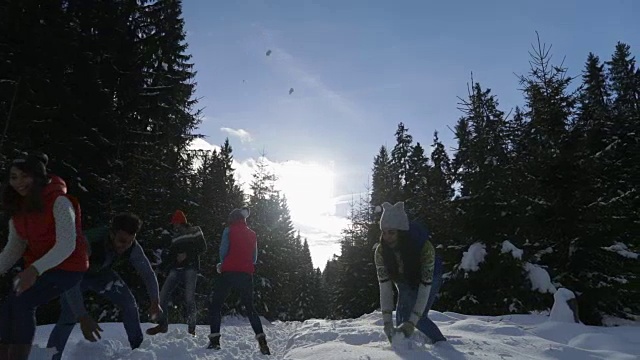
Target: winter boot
x=262 y=342
x=214 y=342
x=160 y=328
x=192 y=330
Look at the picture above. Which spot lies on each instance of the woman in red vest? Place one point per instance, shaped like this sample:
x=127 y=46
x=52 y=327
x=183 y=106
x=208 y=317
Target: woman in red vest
x=45 y=231
x=238 y=256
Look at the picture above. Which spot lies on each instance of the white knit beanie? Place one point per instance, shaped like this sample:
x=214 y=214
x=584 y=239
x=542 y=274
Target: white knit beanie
x=394 y=217
x=237 y=214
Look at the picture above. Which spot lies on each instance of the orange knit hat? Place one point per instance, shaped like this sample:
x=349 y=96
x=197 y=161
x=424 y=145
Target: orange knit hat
x=178 y=217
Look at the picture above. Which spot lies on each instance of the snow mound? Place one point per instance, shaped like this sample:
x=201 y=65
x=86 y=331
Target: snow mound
x=561 y=311
x=622 y=250
x=468 y=337
x=539 y=278
x=472 y=258
x=508 y=247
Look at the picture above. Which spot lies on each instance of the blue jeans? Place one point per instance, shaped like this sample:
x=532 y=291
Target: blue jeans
x=18 y=313
x=188 y=276
x=241 y=282
x=109 y=285
x=407 y=299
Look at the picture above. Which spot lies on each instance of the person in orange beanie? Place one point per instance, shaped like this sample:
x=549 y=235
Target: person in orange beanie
x=181 y=262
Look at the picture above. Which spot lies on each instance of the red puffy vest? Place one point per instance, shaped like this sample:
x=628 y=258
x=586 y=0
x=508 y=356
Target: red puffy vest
x=242 y=243
x=39 y=229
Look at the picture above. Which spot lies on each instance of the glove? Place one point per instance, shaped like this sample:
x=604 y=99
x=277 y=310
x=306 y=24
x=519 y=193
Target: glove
x=219 y=268
x=406 y=328
x=90 y=328
x=389 y=330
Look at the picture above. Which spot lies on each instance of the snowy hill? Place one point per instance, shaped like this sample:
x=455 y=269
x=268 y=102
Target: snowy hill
x=470 y=337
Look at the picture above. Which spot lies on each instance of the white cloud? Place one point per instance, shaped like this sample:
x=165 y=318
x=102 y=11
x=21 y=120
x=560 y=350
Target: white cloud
x=242 y=134
x=202 y=144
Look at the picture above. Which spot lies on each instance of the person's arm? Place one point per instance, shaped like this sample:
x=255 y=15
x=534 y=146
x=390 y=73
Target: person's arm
x=65 y=224
x=141 y=263
x=255 y=254
x=224 y=245
x=12 y=251
x=386 y=286
x=201 y=243
x=427 y=262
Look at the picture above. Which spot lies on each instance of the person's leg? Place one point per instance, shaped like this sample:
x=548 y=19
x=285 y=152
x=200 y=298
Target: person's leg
x=190 y=282
x=111 y=286
x=405 y=303
x=426 y=325
x=22 y=320
x=220 y=293
x=244 y=284
x=169 y=286
x=5 y=321
x=62 y=330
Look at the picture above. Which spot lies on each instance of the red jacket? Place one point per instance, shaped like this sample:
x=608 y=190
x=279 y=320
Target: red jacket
x=242 y=243
x=39 y=229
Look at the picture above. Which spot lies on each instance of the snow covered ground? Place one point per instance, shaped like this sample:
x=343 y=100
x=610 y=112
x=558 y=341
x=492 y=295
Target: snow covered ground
x=470 y=337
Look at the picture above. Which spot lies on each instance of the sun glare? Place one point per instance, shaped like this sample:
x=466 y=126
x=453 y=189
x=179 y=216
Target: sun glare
x=308 y=188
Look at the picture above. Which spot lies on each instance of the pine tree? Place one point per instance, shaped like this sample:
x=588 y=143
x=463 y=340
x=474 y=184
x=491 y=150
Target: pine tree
x=305 y=300
x=384 y=179
x=330 y=276
x=356 y=284
x=400 y=163
x=271 y=220
x=484 y=213
x=439 y=193
x=417 y=183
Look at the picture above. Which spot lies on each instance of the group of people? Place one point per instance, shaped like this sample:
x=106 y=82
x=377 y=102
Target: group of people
x=62 y=260
x=59 y=259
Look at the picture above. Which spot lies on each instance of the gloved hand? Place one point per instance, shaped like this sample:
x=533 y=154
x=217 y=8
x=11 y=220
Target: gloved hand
x=406 y=328
x=219 y=268
x=90 y=328
x=389 y=330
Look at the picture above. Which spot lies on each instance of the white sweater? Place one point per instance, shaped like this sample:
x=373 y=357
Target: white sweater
x=65 y=223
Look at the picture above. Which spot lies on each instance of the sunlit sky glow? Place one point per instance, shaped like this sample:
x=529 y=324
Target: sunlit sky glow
x=360 y=67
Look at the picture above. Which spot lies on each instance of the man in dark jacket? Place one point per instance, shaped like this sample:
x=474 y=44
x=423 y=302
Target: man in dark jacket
x=108 y=245
x=181 y=259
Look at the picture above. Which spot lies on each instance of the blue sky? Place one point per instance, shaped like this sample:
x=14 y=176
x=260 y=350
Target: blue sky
x=358 y=68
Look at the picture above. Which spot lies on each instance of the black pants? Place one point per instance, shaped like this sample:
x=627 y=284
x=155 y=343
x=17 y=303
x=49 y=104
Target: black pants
x=243 y=284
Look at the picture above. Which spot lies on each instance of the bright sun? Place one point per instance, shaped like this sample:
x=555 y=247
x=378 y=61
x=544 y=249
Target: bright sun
x=308 y=188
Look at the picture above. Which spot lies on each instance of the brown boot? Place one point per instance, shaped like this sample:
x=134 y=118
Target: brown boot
x=192 y=330
x=160 y=328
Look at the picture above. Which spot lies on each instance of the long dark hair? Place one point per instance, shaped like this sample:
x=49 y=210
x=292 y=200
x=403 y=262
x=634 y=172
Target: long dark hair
x=14 y=203
x=410 y=256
